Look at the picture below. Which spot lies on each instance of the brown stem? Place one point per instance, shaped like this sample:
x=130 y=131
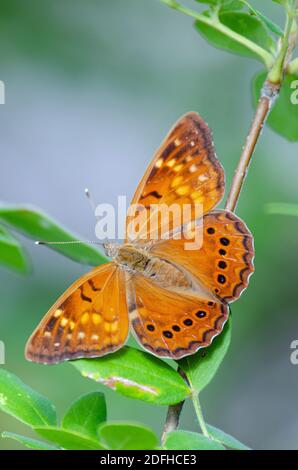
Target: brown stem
x=268 y=95
x=172 y=419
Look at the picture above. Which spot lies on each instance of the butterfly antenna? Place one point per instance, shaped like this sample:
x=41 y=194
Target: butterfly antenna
x=69 y=242
x=90 y=200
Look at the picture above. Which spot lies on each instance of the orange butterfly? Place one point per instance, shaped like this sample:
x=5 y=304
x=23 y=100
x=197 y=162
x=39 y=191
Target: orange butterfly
x=175 y=300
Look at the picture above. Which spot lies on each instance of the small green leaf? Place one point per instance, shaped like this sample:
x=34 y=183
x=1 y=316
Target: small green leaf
x=127 y=436
x=274 y=28
x=68 y=440
x=226 y=439
x=186 y=440
x=28 y=442
x=85 y=415
x=12 y=254
x=136 y=374
x=36 y=225
x=202 y=366
x=24 y=403
x=230 y=5
x=283 y=118
x=242 y=23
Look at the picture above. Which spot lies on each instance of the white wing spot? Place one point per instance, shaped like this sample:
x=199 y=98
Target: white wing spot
x=193 y=168
x=159 y=163
x=202 y=178
x=58 y=313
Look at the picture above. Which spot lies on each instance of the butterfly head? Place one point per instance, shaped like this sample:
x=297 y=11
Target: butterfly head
x=111 y=249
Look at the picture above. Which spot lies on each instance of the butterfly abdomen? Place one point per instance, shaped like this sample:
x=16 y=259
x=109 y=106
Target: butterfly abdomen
x=138 y=261
x=166 y=274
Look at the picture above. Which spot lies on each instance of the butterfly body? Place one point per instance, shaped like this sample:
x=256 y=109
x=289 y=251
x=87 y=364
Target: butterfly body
x=174 y=300
x=138 y=261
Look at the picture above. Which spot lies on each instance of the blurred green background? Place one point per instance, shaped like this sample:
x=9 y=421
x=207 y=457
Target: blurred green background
x=91 y=89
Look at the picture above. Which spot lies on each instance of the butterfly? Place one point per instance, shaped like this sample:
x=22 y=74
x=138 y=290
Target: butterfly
x=175 y=301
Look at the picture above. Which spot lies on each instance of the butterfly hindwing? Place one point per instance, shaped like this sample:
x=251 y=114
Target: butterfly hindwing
x=89 y=320
x=170 y=324
x=224 y=262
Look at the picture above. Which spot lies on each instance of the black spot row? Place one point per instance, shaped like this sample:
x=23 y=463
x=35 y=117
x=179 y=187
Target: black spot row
x=222 y=264
x=224 y=241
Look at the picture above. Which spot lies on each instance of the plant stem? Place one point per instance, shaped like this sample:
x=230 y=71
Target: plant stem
x=172 y=419
x=268 y=95
x=276 y=73
x=214 y=22
x=198 y=410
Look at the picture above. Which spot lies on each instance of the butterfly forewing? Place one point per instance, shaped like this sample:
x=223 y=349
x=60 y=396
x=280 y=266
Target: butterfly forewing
x=184 y=170
x=89 y=320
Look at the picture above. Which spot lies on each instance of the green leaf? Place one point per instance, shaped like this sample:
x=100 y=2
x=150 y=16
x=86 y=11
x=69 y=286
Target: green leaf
x=24 y=403
x=202 y=366
x=28 y=442
x=12 y=254
x=136 y=374
x=186 y=440
x=68 y=440
x=230 y=5
x=85 y=415
x=127 y=436
x=242 y=23
x=226 y=439
x=274 y=28
x=36 y=225
x=283 y=118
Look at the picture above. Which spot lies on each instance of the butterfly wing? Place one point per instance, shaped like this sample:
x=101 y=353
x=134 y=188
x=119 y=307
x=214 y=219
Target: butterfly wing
x=185 y=170
x=170 y=324
x=89 y=320
x=224 y=262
